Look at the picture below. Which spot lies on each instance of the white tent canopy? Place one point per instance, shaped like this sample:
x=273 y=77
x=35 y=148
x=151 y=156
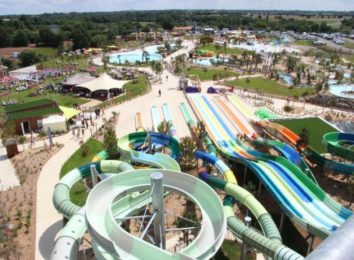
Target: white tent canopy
x=103 y=82
x=56 y=123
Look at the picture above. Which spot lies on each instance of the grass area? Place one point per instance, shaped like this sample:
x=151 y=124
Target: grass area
x=222 y=50
x=57 y=63
x=349 y=58
x=49 y=53
x=304 y=43
x=269 y=86
x=133 y=89
x=63 y=100
x=209 y=74
x=230 y=250
x=349 y=44
x=78 y=192
x=316 y=127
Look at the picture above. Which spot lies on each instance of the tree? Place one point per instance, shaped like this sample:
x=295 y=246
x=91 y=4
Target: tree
x=157 y=67
x=178 y=44
x=49 y=38
x=110 y=143
x=304 y=139
x=81 y=39
x=187 y=160
x=168 y=24
x=201 y=133
x=291 y=63
x=5 y=37
x=28 y=58
x=164 y=127
x=20 y=38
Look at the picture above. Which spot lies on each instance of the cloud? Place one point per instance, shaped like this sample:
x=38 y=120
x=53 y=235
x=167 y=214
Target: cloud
x=40 y=6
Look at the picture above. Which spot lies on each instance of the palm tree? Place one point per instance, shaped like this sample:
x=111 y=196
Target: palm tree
x=164 y=127
x=201 y=133
x=187 y=159
x=258 y=59
x=105 y=60
x=304 y=139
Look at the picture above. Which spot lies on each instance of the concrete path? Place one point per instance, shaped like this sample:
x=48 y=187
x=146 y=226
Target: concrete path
x=8 y=177
x=49 y=221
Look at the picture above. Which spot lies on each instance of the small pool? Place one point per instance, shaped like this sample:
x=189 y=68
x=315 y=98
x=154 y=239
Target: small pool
x=345 y=91
x=287 y=79
x=207 y=62
x=136 y=55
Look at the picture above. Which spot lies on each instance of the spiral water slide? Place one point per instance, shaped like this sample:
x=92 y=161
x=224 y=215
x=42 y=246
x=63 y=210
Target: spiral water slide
x=301 y=199
x=103 y=214
x=337 y=146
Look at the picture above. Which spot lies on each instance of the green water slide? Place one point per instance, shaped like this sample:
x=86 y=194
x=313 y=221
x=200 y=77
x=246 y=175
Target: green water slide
x=340 y=144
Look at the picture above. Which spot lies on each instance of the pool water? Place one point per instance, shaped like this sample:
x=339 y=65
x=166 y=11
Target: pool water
x=206 y=62
x=136 y=55
x=267 y=48
x=287 y=79
x=339 y=90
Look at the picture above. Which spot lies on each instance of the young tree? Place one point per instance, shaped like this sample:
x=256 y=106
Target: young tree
x=28 y=58
x=291 y=63
x=304 y=139
x=110 y=143
x=164 y=127
x=188 y=147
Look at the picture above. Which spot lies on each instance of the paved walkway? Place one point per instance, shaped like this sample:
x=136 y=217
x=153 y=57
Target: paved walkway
x=49 y=221
x=8 y=177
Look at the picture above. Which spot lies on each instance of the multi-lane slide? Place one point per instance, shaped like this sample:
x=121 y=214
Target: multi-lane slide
x=239 y=120
x=285 y=133
x=299 y=197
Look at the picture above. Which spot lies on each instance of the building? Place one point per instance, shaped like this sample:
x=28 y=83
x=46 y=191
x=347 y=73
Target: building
x=182 y=30
x=3 y=71
x=208 y=30
x=28 y=117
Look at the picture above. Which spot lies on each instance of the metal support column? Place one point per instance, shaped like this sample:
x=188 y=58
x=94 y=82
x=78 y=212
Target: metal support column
x=281 y=224
x=243 y=255
x=93 y=174
x=157 y=196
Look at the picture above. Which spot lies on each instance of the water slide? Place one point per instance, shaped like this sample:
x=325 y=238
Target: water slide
x=156 y=120
x=269 y=243
x=340 y=144
x=139 y=123
x=301 y=199
x=168 y=117
x=283 y=132
x=158 y=160
x=241 y=106
x=240 y=122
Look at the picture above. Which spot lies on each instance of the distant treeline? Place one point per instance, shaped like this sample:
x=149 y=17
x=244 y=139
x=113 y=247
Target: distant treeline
x=98 y=29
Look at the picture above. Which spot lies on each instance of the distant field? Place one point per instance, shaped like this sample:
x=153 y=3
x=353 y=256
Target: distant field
x=333 y=22
x=304 y=43
x=208 y=74
x=268 y=86
x=222 y=50
x=315 y=126
x=44 y=51
x=349 y=44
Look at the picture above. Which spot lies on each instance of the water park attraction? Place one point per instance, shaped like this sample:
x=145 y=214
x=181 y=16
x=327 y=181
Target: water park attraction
x=136 y=187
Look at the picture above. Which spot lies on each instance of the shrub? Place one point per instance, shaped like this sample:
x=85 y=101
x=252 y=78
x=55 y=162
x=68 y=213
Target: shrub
x=85 y=150
x=248 y=80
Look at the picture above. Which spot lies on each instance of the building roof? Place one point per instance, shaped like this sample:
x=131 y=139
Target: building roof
x=103 y=82
x=29 y=105
x=78 y=78
x=34 y=113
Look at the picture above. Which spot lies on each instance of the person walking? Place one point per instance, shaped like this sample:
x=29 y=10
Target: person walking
x=159 y=92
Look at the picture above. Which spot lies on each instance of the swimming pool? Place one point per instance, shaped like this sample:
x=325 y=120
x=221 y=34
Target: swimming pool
x=345 y=91
x=136 y=55
x=207 y=62
x=261 y=47
x=287 y=79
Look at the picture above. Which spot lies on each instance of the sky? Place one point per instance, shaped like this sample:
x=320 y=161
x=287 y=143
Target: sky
x=50 y=6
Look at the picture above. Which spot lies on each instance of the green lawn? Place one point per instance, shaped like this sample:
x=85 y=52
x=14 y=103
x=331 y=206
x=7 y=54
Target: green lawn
x=211 y=47
x=78 y=192
x=57 y=63
x=349 y=44
x=304 y=43
x=315 y=126
x=268 y=86
x=230 y=250
x=63 y=100
x=208 y=74
x=50 y=53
